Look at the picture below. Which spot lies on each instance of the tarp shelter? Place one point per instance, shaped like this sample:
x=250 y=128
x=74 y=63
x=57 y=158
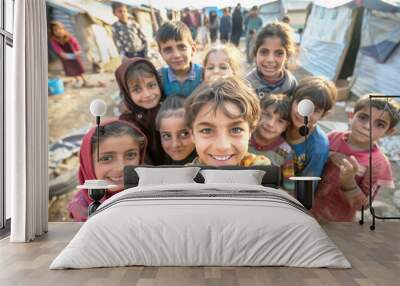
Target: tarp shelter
x=327 y=37
x=296 y=10
x=271 y=10
x=274 y=10
x=356 y=39
x=90 y=22
x=208 y=10
x=377 y=68
x=144 y=18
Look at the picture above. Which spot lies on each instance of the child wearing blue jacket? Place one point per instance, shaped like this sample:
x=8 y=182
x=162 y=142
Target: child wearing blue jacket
x=311 y=155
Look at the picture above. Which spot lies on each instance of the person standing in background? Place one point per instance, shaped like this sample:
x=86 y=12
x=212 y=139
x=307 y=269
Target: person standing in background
x=213 y=26
x=252 y=44
x=237 y=25
x=127 y=35
x=196 y=20
x=225 y=27
x=252 y=22
x=188 y=20
x=69 y=51
x=203 y=38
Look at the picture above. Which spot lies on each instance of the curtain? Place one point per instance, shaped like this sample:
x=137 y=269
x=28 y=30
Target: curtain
x=26 y=124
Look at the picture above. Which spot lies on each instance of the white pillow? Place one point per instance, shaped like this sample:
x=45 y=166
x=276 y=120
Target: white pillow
x=163 y=176
x=249 y=177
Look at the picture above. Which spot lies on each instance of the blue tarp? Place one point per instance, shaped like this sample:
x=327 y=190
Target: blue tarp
x=391 y=6
x=207 y=11
x=64 y=8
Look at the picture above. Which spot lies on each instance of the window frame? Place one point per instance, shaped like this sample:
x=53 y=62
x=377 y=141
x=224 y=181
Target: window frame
x=6 y=39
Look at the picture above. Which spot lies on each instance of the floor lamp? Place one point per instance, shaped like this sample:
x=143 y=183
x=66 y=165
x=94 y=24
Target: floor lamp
x=304 y=185
x=96 y=188
x=371 y=208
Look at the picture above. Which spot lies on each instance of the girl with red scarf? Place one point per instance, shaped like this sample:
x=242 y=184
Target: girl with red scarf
x=121 y=144
x=68 y=50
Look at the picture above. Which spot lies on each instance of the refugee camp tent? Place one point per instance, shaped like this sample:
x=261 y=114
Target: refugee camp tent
x=271 y=10
x=327 y=37
x=274 y=10
x=296 y=10
x=377 y=68
x=90 y=22
x=144 y=18
x=358 y=40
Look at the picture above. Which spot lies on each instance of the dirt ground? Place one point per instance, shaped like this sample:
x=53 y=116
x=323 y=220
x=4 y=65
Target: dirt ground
x=70 y=112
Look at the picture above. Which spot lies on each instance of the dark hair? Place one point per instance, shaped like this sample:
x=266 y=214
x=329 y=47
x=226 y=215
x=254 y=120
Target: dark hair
x=115 y=5
x=286 y=19
x=59 y=25
x=173 y=30
x=321 y=91
x=117 y=129
x=280 y=102
x=385 y=104
x=172 y=106
x=212 y=17
x=138 y=70
x=276 y=29
x=220 y=91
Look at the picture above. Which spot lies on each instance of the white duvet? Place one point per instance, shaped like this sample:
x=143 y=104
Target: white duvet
x=201 y=224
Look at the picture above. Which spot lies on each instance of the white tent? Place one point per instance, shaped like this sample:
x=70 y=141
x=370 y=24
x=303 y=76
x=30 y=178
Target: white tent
x=344 y=39
x=90 y=22
x=326 y=38
x=377 y=67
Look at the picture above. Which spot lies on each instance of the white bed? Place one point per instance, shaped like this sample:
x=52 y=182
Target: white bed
x=201 y=224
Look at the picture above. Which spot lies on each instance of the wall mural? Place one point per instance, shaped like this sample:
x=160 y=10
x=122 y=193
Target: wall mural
x=157 y=82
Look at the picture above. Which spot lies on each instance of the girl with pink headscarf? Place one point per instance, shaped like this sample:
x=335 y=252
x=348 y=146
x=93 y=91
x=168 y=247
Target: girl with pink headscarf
x=121 y=143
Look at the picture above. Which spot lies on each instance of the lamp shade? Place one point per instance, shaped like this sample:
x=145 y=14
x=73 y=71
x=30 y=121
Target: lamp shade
x=98 y=107
x=305 y=107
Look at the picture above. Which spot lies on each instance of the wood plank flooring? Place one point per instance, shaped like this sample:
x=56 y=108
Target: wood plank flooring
x=374 y=255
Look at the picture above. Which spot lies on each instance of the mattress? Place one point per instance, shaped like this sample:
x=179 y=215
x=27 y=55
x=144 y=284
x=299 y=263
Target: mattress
x=201 y=225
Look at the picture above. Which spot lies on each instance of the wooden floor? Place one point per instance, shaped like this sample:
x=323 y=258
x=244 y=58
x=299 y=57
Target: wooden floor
x=374 y=255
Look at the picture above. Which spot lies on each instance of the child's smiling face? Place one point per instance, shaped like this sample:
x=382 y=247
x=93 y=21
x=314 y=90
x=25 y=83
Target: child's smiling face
x=177 y=54
x=217 y=66
x=115 y=154
x=271 y=125
x=176 y=137
x=145 y=91
x=360 y=127
x=271 y=57
x=219 y=139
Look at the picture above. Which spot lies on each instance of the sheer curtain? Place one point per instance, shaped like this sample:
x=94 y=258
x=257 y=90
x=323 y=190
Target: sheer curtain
x=26 y=124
